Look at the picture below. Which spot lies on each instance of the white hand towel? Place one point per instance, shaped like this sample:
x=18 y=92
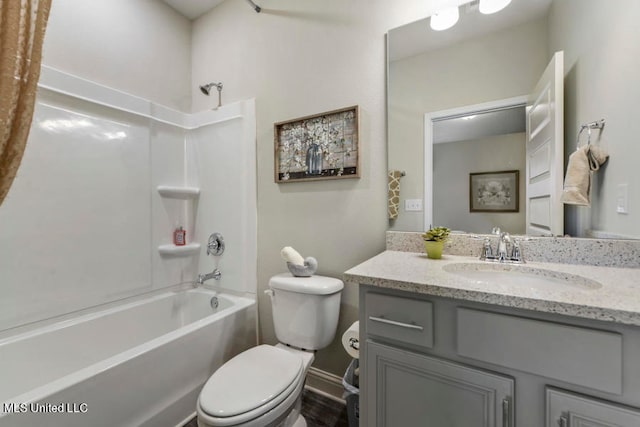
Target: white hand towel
x=291 y=255
x=577 y=182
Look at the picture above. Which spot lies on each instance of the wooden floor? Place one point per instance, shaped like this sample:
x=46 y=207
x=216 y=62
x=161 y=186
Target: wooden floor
x=319 y=411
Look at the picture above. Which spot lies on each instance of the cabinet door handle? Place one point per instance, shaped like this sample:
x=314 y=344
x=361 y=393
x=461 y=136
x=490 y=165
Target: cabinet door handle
x=393 y=322
x=506 y=413
x=563 y=422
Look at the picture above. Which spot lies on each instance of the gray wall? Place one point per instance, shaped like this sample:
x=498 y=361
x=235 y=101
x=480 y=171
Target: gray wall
x=139 y=47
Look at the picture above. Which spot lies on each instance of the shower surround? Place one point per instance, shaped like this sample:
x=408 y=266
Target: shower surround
x=89 y=220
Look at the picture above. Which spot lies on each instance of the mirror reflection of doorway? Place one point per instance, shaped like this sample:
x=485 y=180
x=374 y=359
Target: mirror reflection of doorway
x=487 y=138
x=523 y=133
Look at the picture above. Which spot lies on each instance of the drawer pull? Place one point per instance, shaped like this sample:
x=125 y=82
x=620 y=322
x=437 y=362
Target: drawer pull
x=393 y=322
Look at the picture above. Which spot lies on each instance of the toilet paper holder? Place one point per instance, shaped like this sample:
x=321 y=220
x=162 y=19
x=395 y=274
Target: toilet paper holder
x=354 y=343
x=351 y=340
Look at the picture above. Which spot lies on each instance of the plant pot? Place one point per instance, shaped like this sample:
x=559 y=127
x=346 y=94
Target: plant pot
x=433 y=249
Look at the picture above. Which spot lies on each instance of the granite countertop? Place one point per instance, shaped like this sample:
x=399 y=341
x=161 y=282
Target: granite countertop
x=617 y=300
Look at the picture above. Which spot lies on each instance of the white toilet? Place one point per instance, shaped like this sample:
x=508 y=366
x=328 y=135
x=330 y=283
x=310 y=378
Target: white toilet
x=262 y=387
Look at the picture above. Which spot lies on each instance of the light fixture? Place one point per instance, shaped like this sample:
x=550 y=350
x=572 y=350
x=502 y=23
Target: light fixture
x=488 y=7
x=445 y=18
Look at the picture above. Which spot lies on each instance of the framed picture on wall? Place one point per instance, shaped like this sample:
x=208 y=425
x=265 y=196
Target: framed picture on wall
x=322 y=146
x=494 y=191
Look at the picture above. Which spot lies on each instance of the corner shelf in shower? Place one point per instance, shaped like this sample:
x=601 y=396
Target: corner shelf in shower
x=181 y=193
x=174 y=192
x=173 y=250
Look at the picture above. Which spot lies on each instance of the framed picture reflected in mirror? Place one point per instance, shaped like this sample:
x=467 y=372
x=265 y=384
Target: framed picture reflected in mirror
x=494 y=191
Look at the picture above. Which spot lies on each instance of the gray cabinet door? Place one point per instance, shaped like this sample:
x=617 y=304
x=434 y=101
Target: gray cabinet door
x=409 y=389
x=565 y=409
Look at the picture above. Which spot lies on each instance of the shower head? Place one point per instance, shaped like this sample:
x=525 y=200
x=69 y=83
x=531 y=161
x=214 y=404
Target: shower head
x=206 y=89
x=255 y=6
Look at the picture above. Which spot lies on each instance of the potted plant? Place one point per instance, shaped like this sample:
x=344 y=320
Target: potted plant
x=434 y=240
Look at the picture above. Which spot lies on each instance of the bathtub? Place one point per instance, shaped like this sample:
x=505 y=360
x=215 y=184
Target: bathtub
x=141 y=363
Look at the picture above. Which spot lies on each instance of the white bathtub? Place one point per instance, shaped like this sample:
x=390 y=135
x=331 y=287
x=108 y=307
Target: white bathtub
x=137 y=364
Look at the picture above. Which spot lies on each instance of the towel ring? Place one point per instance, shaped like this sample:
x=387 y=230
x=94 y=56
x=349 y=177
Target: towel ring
x=582 y=128
x=598 y=124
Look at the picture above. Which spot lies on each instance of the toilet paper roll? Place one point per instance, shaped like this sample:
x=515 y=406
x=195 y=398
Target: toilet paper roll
x=351 y=340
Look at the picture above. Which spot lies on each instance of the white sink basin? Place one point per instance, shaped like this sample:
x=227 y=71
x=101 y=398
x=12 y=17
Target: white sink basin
x=519 y=275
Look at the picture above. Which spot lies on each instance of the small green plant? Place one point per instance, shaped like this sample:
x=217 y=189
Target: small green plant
x=436 y=234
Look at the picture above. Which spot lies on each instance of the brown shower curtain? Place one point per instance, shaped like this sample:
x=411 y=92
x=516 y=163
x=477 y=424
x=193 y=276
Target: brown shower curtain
x=22 y=25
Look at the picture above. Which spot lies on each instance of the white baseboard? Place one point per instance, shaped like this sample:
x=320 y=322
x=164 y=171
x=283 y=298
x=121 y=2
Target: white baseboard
x=186 y=420
x=325 y=384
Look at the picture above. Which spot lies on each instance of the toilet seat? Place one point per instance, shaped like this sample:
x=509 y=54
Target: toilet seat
x=250 y=386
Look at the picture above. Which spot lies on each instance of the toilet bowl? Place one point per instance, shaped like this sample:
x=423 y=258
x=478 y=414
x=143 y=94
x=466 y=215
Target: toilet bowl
x=257 y=388
x=262 y=387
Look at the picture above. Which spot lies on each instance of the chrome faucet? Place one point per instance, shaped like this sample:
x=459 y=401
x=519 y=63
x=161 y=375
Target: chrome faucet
x=502 y=248
x=215 y=274
x=503 y=241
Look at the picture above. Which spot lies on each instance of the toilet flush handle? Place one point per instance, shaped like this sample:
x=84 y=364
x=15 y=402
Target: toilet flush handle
x=269 y=292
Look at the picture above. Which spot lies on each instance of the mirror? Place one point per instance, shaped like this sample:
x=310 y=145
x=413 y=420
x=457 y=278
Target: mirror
x=486 y=58
x=480 y=139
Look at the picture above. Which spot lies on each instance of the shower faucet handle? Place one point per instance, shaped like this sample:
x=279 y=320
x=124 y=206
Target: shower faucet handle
x=215 y=245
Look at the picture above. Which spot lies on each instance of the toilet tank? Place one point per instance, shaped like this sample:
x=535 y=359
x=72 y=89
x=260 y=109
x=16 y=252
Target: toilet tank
x=305 y=309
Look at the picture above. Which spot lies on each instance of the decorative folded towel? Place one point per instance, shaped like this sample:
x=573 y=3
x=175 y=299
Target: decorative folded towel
x=394 y=193
x=307 y=270
x=291 y=256
x=577 y=182
x=298 y=266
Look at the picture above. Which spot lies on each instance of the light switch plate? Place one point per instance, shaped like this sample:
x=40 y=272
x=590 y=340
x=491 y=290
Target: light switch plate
x=413 y=205
x=622 y=199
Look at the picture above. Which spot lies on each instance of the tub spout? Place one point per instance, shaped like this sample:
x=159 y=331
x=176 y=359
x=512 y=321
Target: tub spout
x=215 y=274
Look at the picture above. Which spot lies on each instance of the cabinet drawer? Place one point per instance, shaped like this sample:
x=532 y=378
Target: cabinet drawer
x=577 y=355
x=400 y=319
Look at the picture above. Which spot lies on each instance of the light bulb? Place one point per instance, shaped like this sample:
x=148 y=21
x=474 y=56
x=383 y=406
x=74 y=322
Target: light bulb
x=445 y=18
x=492 y=6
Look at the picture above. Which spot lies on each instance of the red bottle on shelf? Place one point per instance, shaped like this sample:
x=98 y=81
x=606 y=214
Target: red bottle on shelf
x=179 y=237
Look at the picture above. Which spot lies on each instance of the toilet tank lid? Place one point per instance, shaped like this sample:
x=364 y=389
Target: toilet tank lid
x=315 y=285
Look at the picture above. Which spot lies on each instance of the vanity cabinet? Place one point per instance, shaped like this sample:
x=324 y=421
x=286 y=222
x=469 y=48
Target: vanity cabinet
x=571 y=410
x=411 y=389
x=435 y=361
